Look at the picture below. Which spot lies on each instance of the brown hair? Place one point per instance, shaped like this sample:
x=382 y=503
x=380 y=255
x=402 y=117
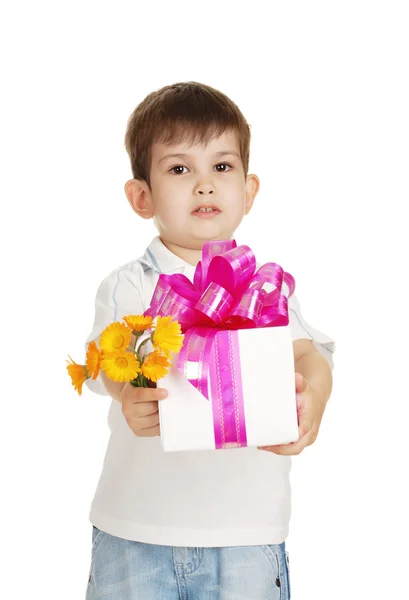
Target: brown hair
x=188 y=112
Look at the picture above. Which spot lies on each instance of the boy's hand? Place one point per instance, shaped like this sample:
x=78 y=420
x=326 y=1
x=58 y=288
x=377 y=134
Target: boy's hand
x=310 y=409
x=140 y=409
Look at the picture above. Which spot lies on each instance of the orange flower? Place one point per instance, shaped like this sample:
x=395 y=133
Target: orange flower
x=93 y=360
x=120 y=366
x=138 y=322
x=78 y=374
x=155 y=365
x=115 y=338
x=167 y=335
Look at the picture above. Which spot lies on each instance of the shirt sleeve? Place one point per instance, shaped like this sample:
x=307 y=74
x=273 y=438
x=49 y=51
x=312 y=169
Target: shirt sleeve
x=300 y=329
x=118 y=295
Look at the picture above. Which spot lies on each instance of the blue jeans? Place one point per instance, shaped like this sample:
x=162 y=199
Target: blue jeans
x=127 y=570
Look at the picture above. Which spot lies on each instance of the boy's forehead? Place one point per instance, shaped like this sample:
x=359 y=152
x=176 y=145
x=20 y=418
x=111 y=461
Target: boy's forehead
x=227 y=142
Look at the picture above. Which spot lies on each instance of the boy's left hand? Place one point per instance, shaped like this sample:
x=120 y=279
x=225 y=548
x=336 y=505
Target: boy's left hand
x=310 y=409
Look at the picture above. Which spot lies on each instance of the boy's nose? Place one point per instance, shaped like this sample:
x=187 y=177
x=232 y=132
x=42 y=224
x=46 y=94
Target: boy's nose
x=204 y=189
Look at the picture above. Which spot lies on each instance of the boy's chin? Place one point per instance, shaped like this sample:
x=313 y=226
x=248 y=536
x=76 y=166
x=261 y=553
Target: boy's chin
x=213 y=233
x=198 y=243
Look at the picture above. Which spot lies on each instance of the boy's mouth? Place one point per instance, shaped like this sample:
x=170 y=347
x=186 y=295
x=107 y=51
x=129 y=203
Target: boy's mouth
x=205 y=209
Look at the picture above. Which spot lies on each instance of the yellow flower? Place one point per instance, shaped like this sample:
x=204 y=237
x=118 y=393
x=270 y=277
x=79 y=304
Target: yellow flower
x=78 y=374
x=93 y=360
x=115 y=338
x=138 y=322
x=167 y=335
x=154 y=366
x=120 y=366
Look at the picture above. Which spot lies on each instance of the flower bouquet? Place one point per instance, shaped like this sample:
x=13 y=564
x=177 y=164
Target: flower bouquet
x=122 y=352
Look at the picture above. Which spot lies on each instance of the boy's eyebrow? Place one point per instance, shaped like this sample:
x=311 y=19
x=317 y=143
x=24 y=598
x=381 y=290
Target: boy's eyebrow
x=181 y=155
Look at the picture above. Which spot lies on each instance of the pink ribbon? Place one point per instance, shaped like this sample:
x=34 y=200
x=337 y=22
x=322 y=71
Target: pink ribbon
x=227 y=294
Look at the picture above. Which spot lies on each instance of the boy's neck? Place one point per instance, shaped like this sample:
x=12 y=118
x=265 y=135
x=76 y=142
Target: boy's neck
x=187 y=254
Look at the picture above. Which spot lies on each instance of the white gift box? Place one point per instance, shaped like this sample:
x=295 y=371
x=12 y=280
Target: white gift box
x=268 y=384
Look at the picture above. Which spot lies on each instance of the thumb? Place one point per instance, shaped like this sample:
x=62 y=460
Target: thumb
x=305 y=423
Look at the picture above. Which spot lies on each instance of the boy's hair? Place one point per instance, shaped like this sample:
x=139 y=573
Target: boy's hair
x=187 y=112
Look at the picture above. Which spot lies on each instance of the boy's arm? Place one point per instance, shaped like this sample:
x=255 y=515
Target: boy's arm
x=314 y=367
x=118 y=295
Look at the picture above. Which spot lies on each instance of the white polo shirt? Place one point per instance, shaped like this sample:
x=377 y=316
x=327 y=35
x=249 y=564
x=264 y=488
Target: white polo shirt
x=233 y=497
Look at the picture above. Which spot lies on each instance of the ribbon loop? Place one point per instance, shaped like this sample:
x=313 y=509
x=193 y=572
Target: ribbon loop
x=215 y=303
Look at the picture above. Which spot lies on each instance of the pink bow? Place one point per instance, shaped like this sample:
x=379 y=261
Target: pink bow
x=226 y=293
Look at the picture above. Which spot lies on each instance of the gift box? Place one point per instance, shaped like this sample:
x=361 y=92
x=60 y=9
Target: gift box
x=232 y=385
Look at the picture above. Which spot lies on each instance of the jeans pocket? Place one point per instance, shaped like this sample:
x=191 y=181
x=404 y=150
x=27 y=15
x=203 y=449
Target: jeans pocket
x=272 y=553
x=97 y=536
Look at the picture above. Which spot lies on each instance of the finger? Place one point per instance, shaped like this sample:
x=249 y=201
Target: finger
x=146 y=395
x=300 y=383
x=148 y=422
x=149 y=432
x=305 y=425
x=287 y=449
x=143 y=409
x=291 y=449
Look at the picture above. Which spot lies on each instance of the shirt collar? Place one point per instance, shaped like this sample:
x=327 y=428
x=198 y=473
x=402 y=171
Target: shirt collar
x=159 y=258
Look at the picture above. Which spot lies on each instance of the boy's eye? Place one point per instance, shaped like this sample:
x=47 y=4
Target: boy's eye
x=223 y=165
x=178 y=170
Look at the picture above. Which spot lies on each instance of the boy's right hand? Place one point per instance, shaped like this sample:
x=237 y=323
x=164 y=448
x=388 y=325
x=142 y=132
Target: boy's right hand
x=140 y=409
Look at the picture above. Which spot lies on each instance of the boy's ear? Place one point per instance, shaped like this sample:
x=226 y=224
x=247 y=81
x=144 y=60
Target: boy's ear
x=138 y=194
x=252 y=187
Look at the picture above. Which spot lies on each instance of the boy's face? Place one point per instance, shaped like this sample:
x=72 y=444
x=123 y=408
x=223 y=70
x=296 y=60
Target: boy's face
x=204 y=177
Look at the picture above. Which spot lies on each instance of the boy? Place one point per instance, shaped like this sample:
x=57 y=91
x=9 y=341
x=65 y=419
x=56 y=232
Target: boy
x=191 y=525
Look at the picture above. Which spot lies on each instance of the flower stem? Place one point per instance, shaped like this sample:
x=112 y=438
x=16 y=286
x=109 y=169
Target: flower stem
x=139 y=381
x=144 y=342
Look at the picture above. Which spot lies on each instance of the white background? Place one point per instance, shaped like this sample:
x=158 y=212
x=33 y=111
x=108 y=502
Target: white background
x=324 y=86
